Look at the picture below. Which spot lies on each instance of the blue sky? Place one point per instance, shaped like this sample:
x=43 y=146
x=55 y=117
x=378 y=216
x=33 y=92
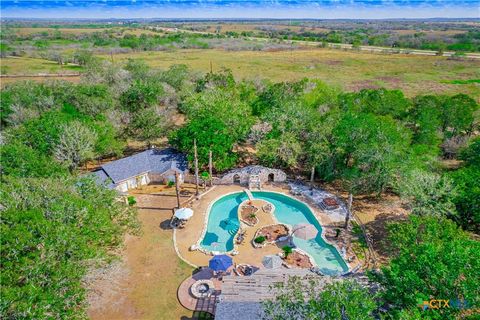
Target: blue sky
x=324 y=9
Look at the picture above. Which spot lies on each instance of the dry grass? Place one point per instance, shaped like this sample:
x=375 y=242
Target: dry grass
x=77 y=31
x=144 y=284
x=350 y=70
x=27 y=31
x=345 y=69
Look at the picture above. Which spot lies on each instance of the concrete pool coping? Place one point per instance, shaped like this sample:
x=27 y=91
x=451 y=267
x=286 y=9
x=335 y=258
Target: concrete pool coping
x=250 y=256
x=322 y=235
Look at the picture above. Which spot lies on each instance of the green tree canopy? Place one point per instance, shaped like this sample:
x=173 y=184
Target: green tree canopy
x=339 y=300
x=432 y=259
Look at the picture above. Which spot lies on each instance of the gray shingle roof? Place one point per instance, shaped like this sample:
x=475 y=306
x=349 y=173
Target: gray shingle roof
x=152 y=160
x=238 y=311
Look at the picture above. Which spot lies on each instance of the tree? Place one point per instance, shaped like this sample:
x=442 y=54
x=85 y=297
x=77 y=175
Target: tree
x=19 y=160
x=52 y=229
x=458 y=114
x=299 y=299
x=467 y=198
x=431 y=258
x=211 y=134
x=284 y=151
x=471 y=154
x=465 y=179
x=428 y=193
x=76 y=144
x=141 y=95
x=377 y=101
x=426 y=115
x=148 y=125
x=369 y=151
x=83 y=57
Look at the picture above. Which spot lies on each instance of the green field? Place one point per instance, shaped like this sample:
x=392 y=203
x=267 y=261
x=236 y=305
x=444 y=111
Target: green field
x=346 y=69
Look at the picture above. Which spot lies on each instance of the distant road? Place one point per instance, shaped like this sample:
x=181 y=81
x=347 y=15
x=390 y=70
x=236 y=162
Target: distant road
x=372 y=49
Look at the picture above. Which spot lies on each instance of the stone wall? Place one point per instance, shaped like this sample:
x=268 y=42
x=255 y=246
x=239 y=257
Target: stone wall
x=242 y=175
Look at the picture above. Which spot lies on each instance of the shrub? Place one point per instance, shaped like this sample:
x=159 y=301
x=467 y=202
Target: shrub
x=131 y=200
x=170 y=184
x=287 y=250
x=260 y=239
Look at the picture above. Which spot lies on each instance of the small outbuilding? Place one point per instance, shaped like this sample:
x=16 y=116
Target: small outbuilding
x=140 y=169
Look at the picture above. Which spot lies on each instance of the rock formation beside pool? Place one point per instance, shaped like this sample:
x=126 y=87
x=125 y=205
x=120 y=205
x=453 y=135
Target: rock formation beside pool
x=251 y=175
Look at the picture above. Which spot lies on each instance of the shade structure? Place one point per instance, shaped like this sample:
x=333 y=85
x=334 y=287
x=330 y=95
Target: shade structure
x=229 y=224
x=272 y=262
x=305 y=231
x=220 y=262
x=184 y=213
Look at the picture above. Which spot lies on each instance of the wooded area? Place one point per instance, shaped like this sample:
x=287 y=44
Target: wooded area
x=55 y=223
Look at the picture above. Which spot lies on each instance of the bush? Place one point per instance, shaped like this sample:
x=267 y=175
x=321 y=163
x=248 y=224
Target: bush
x=170 y=184
x=260 y=239
x=131 y=200
x=287 y=250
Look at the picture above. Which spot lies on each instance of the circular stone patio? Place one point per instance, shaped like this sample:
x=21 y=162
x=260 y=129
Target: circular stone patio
x=189 y=301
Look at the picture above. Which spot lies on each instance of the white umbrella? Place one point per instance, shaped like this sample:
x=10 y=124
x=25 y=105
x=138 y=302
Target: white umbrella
x=305 y=231
x=184 y=213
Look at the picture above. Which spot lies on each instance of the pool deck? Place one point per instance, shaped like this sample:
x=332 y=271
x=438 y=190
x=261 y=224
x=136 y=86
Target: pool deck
x=192 y=232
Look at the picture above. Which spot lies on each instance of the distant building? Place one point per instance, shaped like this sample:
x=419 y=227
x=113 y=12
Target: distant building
x=140 y=169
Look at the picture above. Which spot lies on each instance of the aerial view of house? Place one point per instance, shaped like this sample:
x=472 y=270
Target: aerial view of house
x=143 y=168
x=240 y=160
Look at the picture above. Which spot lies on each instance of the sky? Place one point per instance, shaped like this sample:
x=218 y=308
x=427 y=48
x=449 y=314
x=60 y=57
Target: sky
x=218 y=9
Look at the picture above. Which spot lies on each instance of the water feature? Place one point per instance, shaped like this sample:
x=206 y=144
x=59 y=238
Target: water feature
x=223 y=224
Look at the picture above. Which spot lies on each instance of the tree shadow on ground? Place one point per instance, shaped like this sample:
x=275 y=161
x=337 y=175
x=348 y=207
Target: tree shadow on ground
x=377 y=230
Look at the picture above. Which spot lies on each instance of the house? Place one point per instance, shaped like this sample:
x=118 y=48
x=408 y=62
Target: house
x=140 y=169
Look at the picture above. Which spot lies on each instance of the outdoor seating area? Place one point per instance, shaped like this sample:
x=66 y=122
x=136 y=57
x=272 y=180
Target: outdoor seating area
x=202 y=288
x=245 y=270
x=180 y=218
x=267 y=208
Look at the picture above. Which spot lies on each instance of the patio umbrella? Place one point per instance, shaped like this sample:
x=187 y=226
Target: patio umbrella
x=305 y=231
x=184 y=213
x=220 y=262
x=229 y=225
x=272 y=262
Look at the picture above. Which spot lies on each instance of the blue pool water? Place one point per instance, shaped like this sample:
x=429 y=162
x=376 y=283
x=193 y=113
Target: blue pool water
x=223 y=217
x=290 y=211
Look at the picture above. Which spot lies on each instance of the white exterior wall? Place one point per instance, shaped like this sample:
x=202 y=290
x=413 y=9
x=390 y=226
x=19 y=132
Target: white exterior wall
x=133 y=183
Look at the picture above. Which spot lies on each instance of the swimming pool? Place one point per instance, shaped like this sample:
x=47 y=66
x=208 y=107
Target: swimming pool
x=223 y=213
x=222 y=219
